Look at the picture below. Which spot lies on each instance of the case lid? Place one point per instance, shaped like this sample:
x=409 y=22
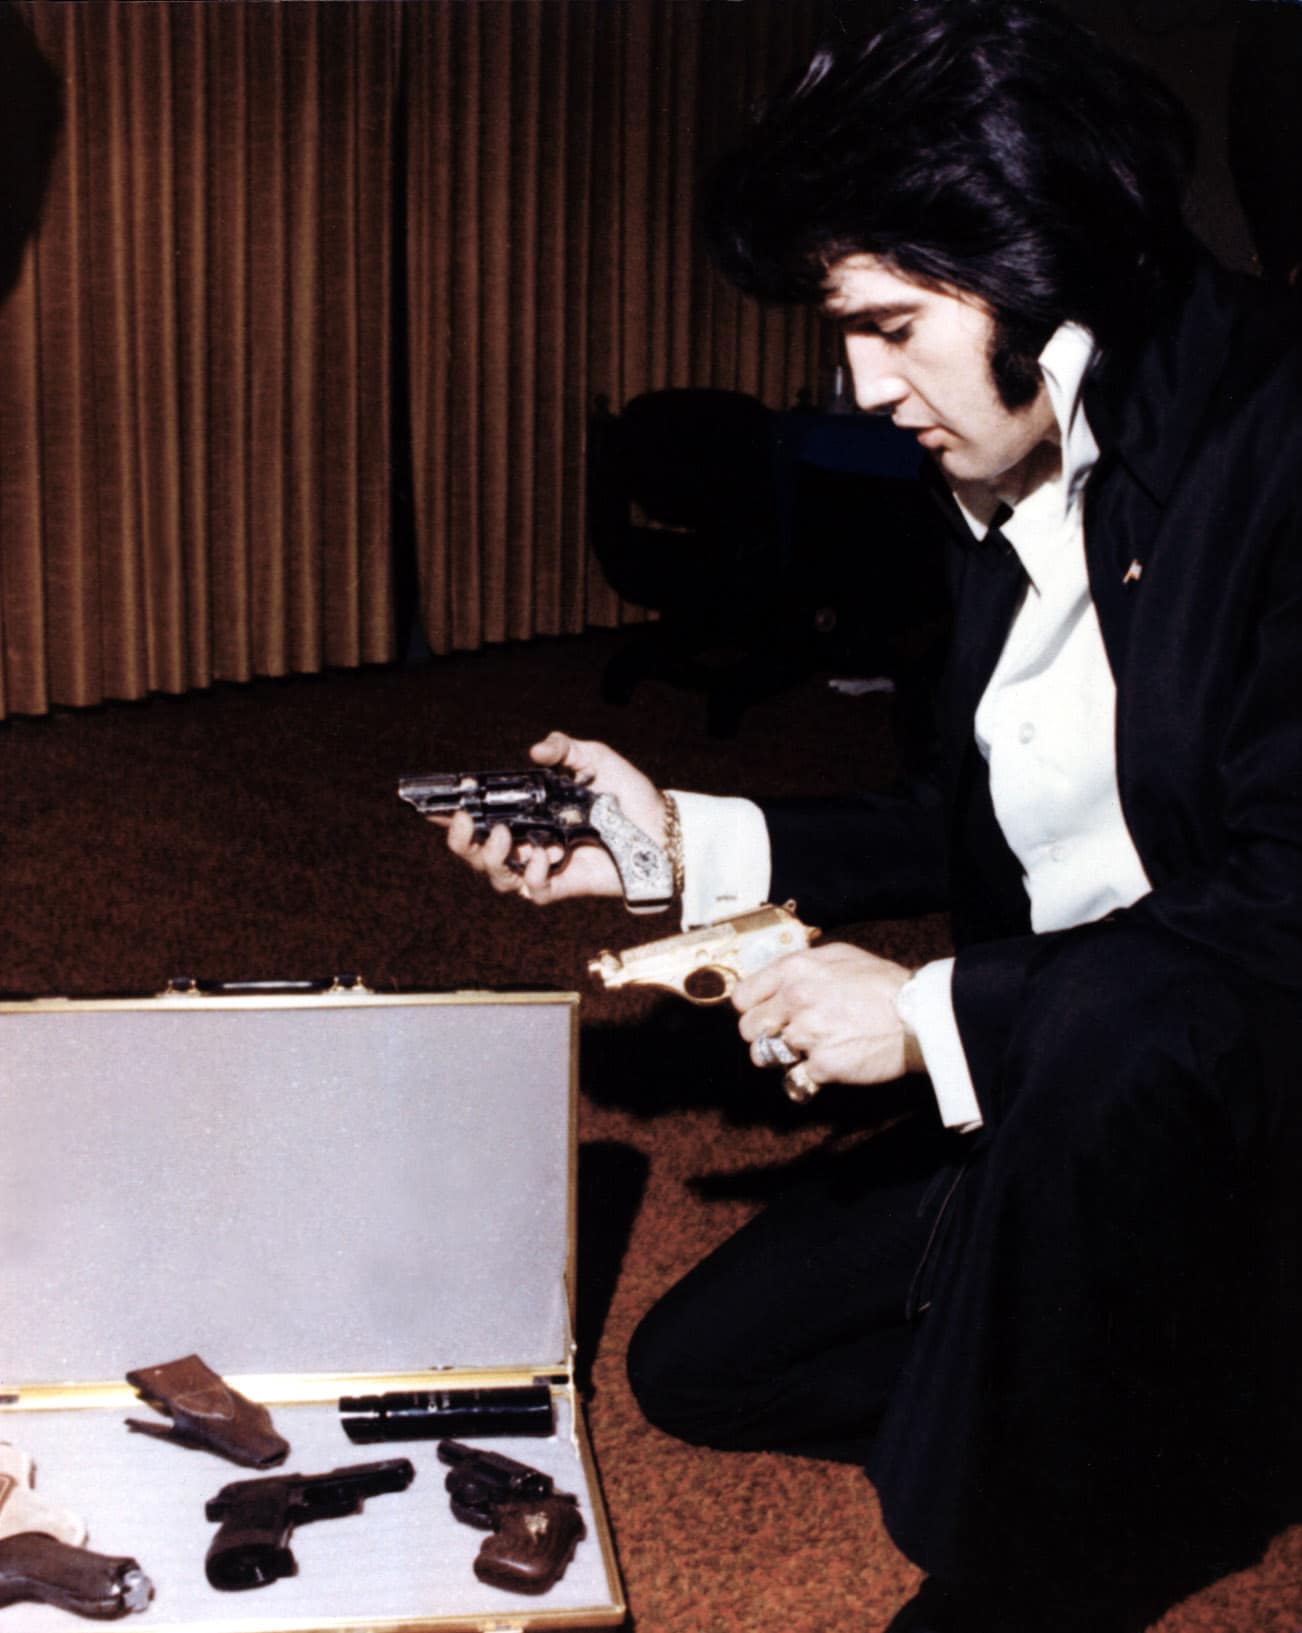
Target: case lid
x=344 y=1183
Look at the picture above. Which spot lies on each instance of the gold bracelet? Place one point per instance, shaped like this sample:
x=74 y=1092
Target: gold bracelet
x=674 y=840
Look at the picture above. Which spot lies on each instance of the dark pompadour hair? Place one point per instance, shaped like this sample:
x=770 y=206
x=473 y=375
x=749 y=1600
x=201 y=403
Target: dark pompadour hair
x=988 y=146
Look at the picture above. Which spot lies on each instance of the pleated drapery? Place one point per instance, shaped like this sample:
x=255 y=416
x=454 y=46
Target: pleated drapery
x=318 y=281
x=554 y=156
x=202 y=454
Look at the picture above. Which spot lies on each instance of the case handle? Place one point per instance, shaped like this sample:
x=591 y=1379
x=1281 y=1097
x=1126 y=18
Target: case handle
x=189 y=986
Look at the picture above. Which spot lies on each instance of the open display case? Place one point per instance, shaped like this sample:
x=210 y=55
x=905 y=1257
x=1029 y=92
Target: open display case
x=323 y=1194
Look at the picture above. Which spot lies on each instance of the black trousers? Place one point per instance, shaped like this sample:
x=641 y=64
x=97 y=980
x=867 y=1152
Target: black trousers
x=1064 y=1348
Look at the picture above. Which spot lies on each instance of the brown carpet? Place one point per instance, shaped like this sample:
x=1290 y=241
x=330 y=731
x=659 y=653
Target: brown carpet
x=254 y=833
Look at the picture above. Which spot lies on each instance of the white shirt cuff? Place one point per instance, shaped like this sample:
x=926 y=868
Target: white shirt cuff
x=726 y=860
x=926 y=1006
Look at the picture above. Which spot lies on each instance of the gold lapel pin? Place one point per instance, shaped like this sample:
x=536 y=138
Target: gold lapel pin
x=1134 y=572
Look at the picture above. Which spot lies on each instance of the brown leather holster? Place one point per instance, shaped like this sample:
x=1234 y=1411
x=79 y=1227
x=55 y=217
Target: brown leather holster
x=207 y=1413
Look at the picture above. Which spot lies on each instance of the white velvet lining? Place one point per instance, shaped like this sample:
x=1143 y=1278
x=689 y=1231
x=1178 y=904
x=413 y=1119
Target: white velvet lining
x=403 y=1558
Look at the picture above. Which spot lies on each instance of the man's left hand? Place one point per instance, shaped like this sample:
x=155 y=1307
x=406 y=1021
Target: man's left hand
x=835 y=1005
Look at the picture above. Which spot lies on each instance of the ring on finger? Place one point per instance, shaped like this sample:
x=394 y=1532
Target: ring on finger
x=783 y=1053
x=800 y=1086
x=773 y=1050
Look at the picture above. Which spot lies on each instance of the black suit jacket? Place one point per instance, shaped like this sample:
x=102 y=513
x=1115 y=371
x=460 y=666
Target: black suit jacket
x=1193 y=529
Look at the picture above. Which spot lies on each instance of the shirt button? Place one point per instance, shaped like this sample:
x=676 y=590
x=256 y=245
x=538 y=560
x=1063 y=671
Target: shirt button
x=1057 y=853
x=1026 y=732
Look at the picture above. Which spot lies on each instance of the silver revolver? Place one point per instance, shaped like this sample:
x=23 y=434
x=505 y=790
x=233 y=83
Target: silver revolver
x=544 y=806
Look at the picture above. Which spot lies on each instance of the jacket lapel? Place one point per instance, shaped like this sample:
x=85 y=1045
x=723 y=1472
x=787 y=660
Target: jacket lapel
x=1146 y=409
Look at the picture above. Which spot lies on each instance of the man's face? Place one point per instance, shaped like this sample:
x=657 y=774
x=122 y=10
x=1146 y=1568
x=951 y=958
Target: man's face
x=923 y=356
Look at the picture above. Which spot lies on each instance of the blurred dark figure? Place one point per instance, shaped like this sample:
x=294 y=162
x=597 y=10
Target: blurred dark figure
x=1265 y=133
x=31 y=110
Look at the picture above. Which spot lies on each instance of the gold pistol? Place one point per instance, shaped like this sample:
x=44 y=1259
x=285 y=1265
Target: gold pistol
x=705 y=965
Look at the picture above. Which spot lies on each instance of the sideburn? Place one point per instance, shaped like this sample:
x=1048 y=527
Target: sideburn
x=1015 y=349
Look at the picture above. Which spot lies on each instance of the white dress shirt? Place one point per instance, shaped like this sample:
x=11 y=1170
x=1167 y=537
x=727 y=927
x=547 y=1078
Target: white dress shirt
x=1046 y=726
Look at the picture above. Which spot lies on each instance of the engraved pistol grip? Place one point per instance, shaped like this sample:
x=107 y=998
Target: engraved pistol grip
x=22 y=1510
x=532 y=1545
x=34 y=1567
x=644 y=870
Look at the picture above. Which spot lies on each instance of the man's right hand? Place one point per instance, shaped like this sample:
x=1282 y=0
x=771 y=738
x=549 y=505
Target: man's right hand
x=589 y=870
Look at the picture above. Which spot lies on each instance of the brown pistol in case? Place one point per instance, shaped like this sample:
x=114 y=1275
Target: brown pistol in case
x=37 y=1567
x=42 y=1558
x=258 y=1517
x=535 y=1528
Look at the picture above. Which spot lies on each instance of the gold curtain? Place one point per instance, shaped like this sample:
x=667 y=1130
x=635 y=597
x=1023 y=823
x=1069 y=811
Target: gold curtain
x=289 y=247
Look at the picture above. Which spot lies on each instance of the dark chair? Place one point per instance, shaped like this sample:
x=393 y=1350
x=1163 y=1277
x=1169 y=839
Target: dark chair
x=686 y=521
x=870 y=540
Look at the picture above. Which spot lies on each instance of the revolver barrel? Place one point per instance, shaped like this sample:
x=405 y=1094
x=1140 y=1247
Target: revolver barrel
x=544 y=797
x=440 y=794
